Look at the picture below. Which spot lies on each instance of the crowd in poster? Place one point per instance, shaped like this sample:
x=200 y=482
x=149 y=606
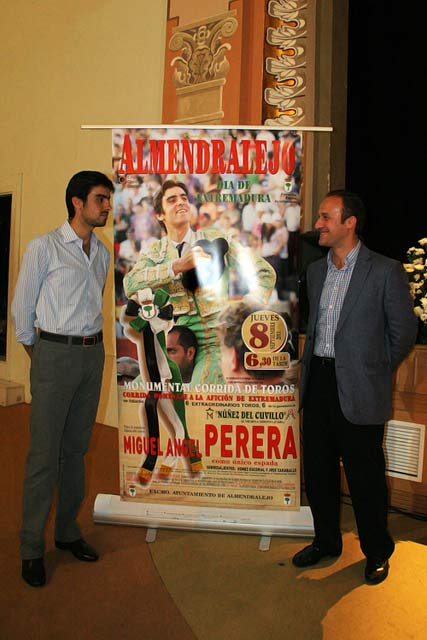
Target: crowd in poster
x=207 y=327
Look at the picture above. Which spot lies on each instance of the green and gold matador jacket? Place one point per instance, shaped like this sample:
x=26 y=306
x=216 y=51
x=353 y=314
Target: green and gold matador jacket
x=153 y=270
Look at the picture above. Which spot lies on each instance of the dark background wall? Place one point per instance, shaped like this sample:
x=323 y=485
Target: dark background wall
x=385 y=138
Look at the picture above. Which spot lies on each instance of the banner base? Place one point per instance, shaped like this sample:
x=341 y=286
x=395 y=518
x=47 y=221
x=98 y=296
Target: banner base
x=110 y=509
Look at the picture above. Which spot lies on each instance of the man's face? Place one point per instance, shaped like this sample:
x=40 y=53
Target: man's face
x=175 y=208
x=94 y=212
x=333 y=232
x=184 y=358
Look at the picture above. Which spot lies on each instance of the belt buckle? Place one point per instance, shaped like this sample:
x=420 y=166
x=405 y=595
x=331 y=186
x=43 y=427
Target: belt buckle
x=89 y=341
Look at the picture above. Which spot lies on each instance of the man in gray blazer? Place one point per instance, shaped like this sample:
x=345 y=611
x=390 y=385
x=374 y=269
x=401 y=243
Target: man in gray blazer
x=361 y=325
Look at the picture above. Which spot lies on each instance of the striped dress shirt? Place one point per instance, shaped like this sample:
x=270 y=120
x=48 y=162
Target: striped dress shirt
x=331 y=301
x=59 y=287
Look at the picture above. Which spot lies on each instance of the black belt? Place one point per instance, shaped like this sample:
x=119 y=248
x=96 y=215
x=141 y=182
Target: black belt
x=325 y=362
x=86 y=341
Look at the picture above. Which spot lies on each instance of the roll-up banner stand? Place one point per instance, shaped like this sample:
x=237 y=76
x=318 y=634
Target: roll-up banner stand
x=206 y=227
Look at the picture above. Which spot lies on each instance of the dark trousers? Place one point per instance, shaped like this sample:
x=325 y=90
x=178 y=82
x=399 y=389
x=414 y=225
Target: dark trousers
x=327 y=438
x=65 y=387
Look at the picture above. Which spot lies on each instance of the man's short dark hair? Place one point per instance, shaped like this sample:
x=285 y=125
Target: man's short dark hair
x=168 y=184
x=80 y=186
x=352 y=205
x=186 y=337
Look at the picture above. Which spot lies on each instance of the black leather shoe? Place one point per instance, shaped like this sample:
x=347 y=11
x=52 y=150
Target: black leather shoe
x=80 y=550
x=311 y=555
x=376 y=570
x=33 y=572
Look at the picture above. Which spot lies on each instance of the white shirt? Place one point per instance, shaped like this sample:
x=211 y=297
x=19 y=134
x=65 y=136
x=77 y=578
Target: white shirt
x=59 y=287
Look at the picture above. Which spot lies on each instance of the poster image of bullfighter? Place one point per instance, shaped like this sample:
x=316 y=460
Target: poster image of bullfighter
x=146 y=320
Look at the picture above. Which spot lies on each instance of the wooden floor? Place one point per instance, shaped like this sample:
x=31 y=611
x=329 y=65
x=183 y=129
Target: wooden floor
x=121 y=596
x=189 y=585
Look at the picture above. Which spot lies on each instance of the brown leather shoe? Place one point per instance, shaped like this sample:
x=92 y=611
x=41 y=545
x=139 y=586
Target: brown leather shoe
x=33 y=572
x=311 y=555
x=376 y=570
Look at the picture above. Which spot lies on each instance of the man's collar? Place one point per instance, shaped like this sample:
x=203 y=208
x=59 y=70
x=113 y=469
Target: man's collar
x=70 y=235
x=68 y=232
x=186 y=238
x=350 y=258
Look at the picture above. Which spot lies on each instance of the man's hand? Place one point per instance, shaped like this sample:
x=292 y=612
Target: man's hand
x=189 y=260
x=294 y=372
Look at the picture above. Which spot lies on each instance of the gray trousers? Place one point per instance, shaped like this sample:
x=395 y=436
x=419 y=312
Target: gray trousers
x=65 y=388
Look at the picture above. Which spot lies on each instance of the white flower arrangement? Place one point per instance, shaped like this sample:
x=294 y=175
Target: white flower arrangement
x=416 y=269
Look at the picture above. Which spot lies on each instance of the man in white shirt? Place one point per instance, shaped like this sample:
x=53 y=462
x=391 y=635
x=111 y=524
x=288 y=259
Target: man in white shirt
x=57 y=310
x=170 y=261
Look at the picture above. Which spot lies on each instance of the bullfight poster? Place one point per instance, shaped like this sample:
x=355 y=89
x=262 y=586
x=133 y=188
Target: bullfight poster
x=206 y=225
